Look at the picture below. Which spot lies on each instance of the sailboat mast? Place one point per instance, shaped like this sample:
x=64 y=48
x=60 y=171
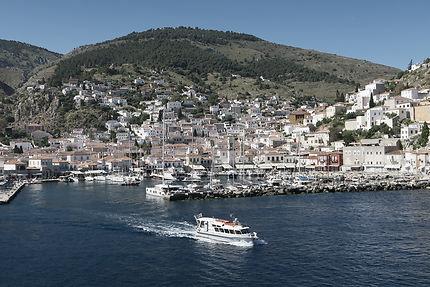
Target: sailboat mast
x=234 y=159
x=212 y=164
x=243 y=154
x=162 y=147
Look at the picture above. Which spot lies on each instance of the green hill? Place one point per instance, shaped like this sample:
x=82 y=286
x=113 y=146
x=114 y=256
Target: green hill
x=18 y=60
x=195 y=54
x=220 y=64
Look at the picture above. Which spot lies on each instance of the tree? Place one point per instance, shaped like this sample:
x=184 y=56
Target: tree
x=348 y=137
x=424 y=138
x=17 y=149
x=371 y=101
x=400 y=145
x=409 y=65
x=357 y=87
x=340 y=97
x=112 y=136
x=44 y=142
x=160 y=115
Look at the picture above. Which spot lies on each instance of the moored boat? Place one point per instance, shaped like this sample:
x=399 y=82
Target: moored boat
x=166 y=191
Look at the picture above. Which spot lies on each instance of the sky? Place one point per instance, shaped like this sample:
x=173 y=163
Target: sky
x=390 y=32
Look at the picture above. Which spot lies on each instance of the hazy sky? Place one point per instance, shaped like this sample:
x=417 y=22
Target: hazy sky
x=390 y=32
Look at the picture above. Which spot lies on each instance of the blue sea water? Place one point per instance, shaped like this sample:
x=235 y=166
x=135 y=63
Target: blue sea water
x=87 y=234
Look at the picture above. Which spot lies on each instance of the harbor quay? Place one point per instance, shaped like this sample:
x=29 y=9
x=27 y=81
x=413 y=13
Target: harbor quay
x=7 y=194
x=237 y=186
x=308 y=184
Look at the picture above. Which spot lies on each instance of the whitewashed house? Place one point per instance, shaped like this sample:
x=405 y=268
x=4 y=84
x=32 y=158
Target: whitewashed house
x=410 y=131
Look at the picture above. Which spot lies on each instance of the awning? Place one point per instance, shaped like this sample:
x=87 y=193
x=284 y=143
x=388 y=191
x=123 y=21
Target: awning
x=245 y=166
x=76 y=172
x=265 y=166
x=310 y=167
x=283 y=165
x=197 y=167
x=393 y=166
x=95 y=171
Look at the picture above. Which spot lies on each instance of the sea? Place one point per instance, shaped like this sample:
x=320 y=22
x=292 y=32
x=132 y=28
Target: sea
x=97 y=234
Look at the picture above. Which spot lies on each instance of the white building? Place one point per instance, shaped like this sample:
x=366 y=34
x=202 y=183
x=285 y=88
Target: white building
x=410 y=131
x=376 y=87
x=117 y=101
x=331 y=111
x=374 y=116
x=112 y=125
x=318 y=117
x=139 y=81
x=25 y=145
x=355 y=124
x=290 y=129
x=174 y=105
x=122 y=136
x=411 y=94
x=314 y=140
x=370 y=155
x=214 y=109
x=145 y=132
x=40 y=163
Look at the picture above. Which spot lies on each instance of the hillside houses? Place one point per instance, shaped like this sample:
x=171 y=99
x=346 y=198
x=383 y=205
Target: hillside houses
x=266 y=133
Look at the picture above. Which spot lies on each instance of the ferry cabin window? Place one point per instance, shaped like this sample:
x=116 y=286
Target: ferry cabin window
x=231 y=231
x=216 y=229
x=238 y=232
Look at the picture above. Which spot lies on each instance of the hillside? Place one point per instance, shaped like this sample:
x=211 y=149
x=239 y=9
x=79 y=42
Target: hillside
x=196 y=54
x=419 y=78
x=215 y=64
x=18 y=60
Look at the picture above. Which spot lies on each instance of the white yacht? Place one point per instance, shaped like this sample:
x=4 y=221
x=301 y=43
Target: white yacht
x=302 y=179
x=164 y=176
x=130 y=181
x=117 y=178
x=193 y=177
x=90 y=178
x=166 y=191
x=225 y=231
x=100 y=178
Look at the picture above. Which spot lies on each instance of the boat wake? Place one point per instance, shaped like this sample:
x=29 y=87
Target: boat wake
x=166 y=229
x=260 y=242
x=180 y=229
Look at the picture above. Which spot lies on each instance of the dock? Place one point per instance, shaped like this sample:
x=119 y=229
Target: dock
x=7 y=195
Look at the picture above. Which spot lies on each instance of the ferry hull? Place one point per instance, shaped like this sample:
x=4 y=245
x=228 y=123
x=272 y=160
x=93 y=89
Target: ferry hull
x=224 y=239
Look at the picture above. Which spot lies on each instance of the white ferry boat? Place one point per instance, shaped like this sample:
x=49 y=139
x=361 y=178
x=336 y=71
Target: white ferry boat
x=225 y=231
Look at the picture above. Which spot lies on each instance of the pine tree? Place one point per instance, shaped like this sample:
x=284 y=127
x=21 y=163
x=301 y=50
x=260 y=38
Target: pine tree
x=424 y=135
x=371 y=101
x=409 y=65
